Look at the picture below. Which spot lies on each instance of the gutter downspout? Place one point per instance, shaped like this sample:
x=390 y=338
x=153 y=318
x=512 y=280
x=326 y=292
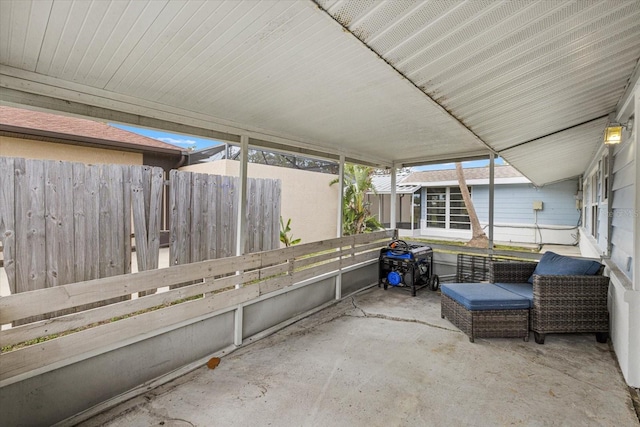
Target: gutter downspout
x=183 y=159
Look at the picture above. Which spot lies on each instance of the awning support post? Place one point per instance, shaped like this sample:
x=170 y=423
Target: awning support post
x=491 y=200
x=392 y=223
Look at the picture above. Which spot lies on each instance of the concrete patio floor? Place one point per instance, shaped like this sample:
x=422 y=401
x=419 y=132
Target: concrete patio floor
x=383 y=358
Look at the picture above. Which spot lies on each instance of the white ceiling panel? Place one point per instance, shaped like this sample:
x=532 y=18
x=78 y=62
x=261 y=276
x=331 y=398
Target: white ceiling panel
x=18 y=42
x=560 y=156
x=383 y=81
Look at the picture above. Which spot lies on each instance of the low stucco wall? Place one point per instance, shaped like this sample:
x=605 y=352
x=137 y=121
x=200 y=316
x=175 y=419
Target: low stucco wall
x=31 y=149
x=46 y=399
x=307 y=197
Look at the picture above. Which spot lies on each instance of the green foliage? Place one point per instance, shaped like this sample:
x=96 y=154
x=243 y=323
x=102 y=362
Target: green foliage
x=356 y=216
x=285 y=236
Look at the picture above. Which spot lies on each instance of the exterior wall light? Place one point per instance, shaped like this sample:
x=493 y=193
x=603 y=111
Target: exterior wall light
x=613 y=132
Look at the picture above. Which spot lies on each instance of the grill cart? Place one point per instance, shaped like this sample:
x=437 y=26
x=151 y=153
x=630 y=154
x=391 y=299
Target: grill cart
x=407 y=266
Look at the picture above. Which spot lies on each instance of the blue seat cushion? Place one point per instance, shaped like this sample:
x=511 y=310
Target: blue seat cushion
x=522 y=289
x=484 y=296
x=552 y=264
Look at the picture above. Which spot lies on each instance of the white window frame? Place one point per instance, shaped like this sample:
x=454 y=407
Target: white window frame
x=594 y=181
x=606 y=176
x=447 y=211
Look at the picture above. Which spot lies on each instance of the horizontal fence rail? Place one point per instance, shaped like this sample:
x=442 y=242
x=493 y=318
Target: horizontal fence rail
x=215 y=286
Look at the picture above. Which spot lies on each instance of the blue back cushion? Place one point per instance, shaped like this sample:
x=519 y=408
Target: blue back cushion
x=553 y=264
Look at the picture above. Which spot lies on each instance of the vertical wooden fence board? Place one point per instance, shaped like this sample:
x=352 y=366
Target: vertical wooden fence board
x=31 y=268
x=59 y=227
x=226 y=224
x=205 y=207
x=146 y=188
x=139 y=217
x=173 y=217
x=184 y=207
x=180 y=217
x=146 y=202
x=264 y=203
x=275 y=216
x=272 y=218
x=30 y=225
x=107 y=217
x=112 y=223
x=212 y=218
x=267 y=190
x=251 y=217
x=52 y=216
x=92 y=184
x=116 y=265
x=126 y=217
x=195 y=224
x=203 y=250
x=7 y=219
x=155 y=217
x=105 y=222
x=66 y=272
x=81 y=247
x=233 y=214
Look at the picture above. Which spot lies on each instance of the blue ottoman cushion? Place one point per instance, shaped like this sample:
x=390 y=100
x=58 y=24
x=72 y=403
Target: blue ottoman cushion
x=522 y=289
x=484 y=296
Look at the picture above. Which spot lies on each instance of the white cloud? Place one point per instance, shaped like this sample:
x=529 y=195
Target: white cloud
x=175 y=141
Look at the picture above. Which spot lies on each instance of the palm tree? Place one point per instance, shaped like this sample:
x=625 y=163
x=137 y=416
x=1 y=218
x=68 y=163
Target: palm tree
x=356 y=217
x=478 y=237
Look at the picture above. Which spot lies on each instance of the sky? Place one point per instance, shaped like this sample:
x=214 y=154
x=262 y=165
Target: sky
x=182 y=141
x=187 y=141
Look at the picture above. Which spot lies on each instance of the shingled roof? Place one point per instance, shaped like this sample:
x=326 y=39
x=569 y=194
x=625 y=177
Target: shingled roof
x=503 y=171
x=28 y=123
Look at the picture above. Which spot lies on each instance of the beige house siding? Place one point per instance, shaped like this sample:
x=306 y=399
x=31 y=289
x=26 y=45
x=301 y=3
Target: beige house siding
x=307 y=197
x=33 y=149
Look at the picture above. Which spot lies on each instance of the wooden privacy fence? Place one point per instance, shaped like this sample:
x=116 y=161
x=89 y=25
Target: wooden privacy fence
x=64 y=340
x=204 y=215
x=63 y=222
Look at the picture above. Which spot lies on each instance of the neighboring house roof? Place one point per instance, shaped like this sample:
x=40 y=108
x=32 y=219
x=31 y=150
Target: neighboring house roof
x=72 y=130
x=382 y=185
x=503 y=174
x=474 y=176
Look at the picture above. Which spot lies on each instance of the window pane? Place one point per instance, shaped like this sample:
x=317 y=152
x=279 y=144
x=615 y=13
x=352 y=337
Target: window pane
x=458 y=216
x=457 y=226
x=435 y=224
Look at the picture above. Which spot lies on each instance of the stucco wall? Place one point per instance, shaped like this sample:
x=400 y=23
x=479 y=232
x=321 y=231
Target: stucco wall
x=32 y=149
x=307 y=197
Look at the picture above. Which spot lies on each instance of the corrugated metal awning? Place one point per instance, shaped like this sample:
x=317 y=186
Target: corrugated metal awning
x=382 y=185
x=379 y=82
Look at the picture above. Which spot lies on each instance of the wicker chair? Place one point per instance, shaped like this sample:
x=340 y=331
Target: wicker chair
x=561 y=304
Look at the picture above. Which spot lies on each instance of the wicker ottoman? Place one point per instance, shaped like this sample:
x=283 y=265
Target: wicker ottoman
x=483 y=310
